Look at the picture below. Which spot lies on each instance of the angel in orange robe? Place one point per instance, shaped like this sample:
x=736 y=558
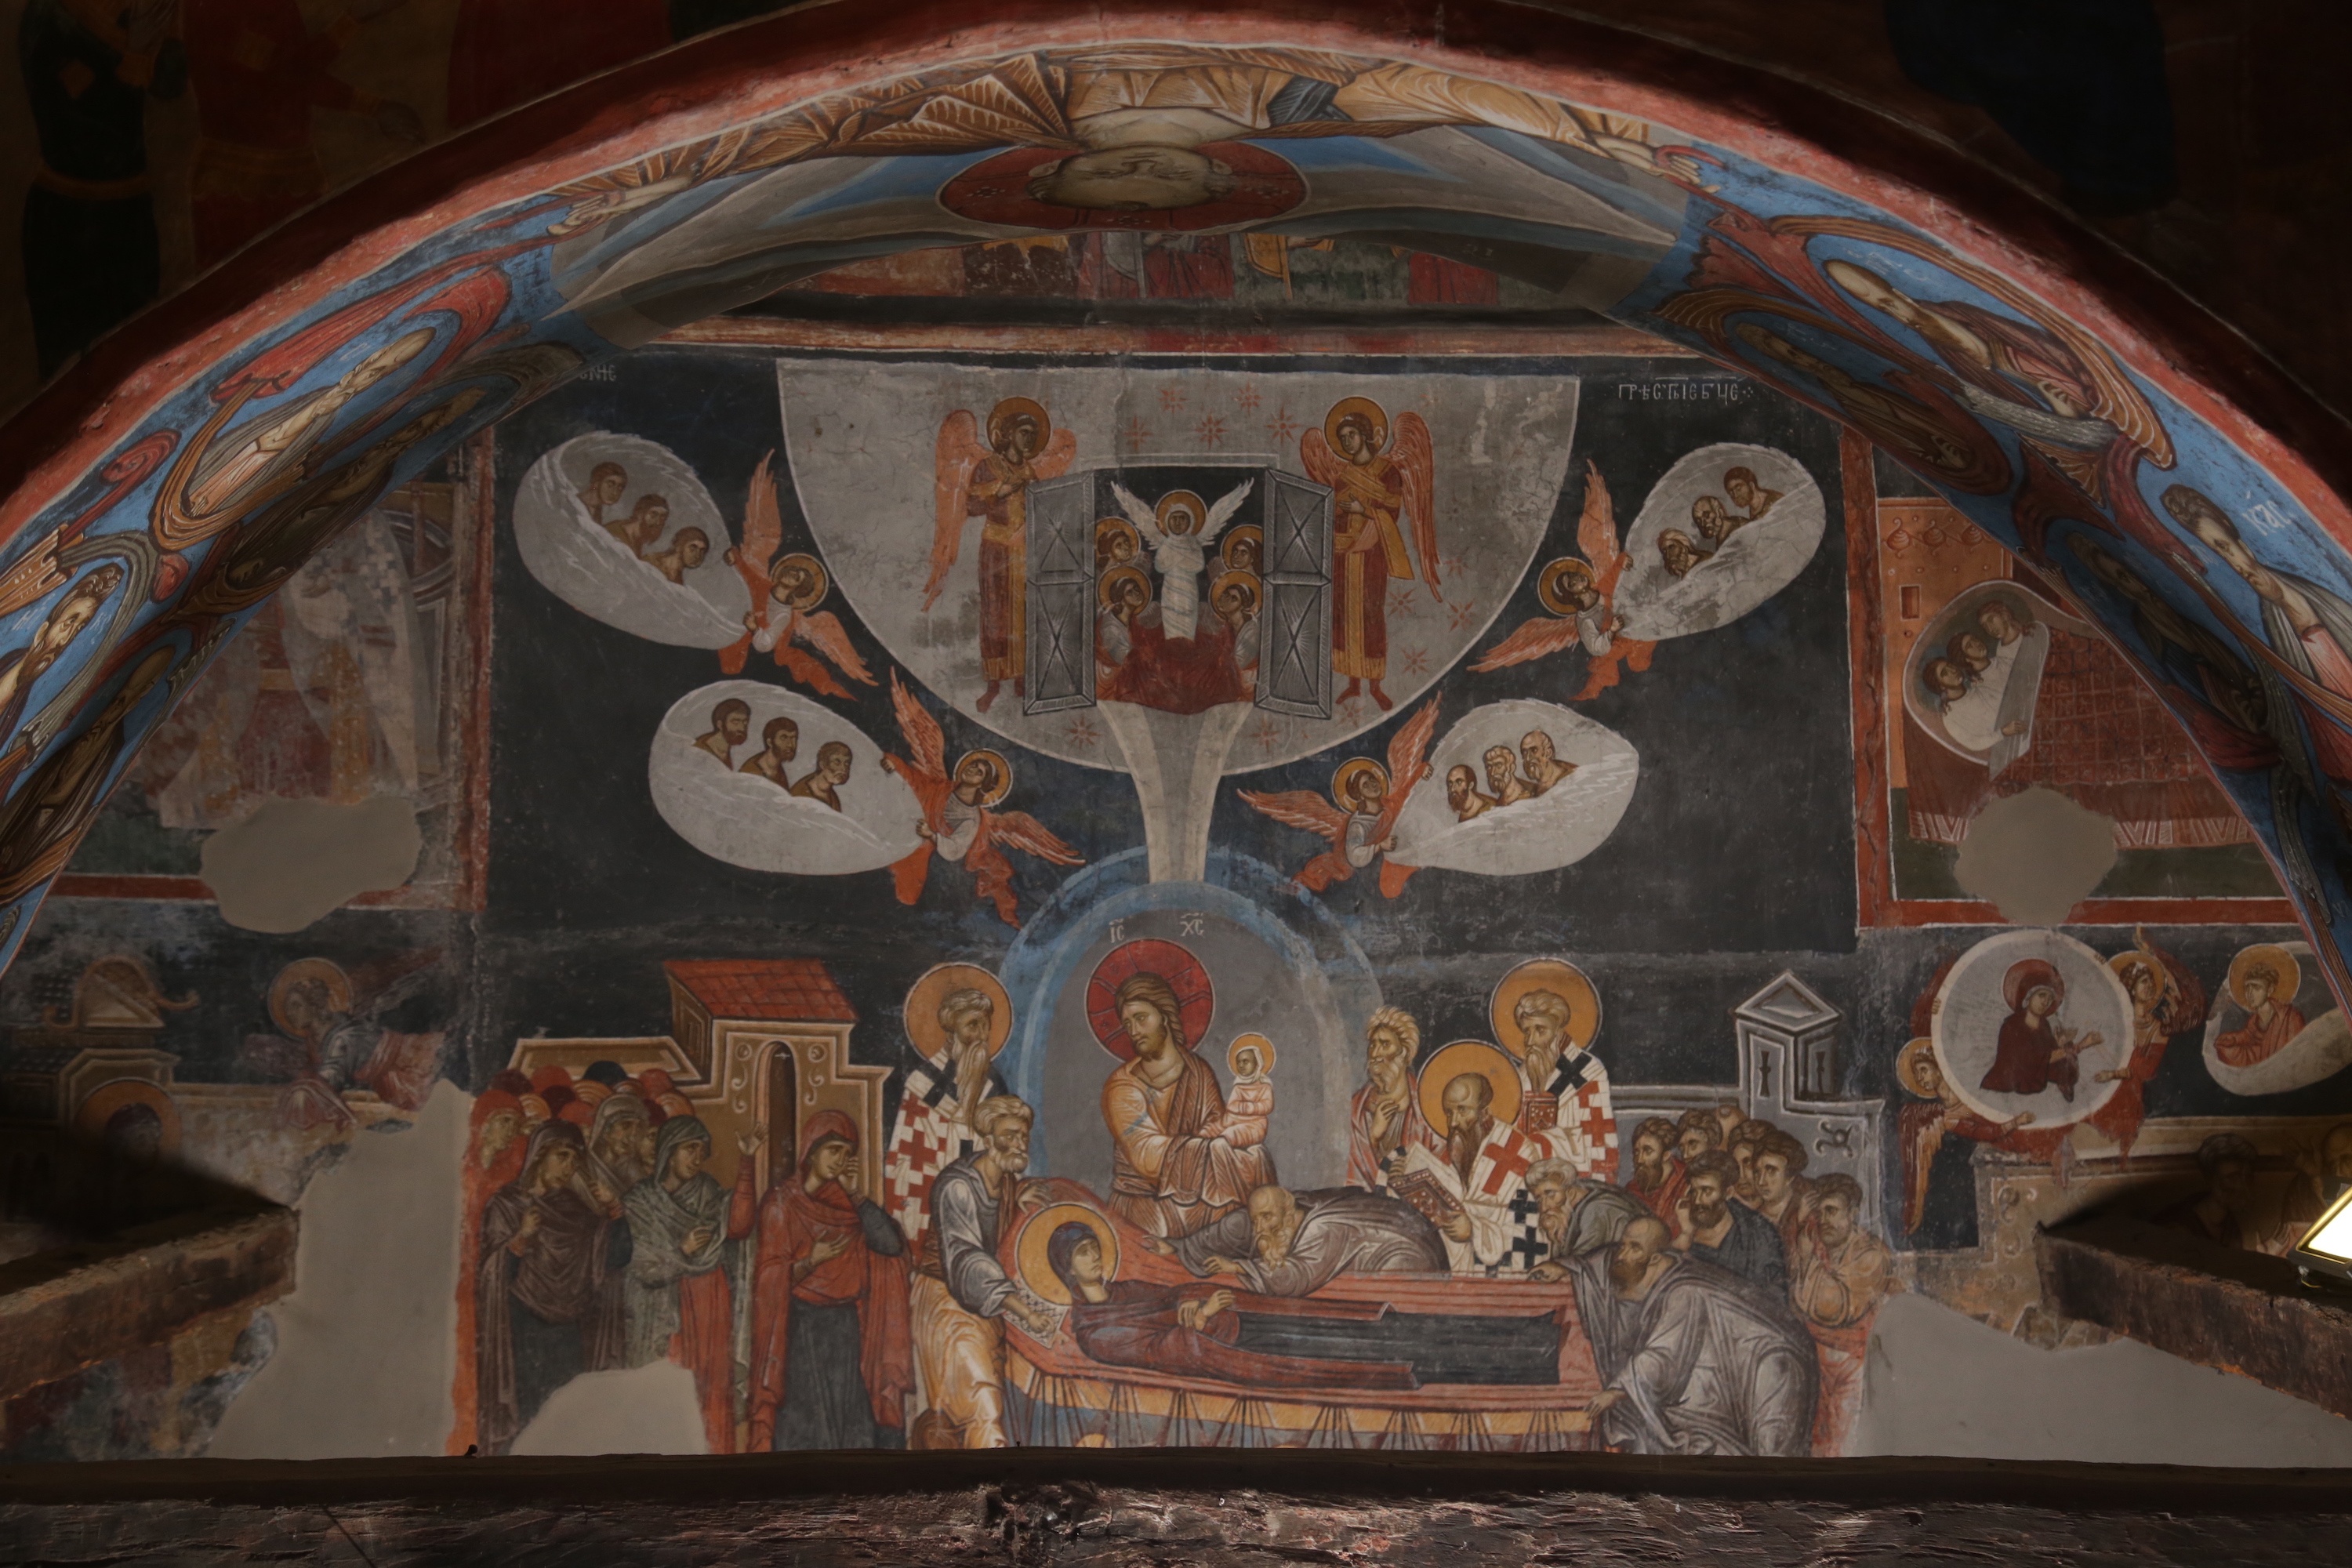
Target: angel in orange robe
x=1582 y=597
x=992 y=482
x=1376 y=477
x=957 y=819
x=2166 y=1000
x=1359 y=820
x=785 y=600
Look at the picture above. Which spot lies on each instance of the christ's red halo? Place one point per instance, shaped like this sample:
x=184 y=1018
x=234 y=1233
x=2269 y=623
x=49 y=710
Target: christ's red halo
x=1196 y=1000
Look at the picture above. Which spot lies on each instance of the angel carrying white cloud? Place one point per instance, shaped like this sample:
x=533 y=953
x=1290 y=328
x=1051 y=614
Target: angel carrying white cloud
x=1179 y=533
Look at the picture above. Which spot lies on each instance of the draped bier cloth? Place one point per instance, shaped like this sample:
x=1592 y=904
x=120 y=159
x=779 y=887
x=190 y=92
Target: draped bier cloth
x=1137 y=1327
x=1169 y=1177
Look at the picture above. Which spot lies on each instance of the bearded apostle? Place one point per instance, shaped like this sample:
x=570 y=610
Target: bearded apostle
x=1170 y=1172
x=540 y=1303
x=1482 y=1169
x=831 y=1362
x=1384 y=1116
x=1839 y=1273
x=961 y=1293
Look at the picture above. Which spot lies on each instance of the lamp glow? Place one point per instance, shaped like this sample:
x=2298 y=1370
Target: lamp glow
x=2326 y=1248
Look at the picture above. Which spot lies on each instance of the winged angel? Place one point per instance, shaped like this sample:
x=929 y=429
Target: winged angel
x=1179 y=535
x=1377 y=474
x=1582 y=598
x=990 y=482
x=1359 y=819
x=959 y=819
x=785 y=600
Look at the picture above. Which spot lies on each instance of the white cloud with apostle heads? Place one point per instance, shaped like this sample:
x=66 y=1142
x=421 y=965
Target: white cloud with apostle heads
x=862 y=436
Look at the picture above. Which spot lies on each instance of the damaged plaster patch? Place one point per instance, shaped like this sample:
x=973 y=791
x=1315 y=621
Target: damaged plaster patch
x=294 y=861
x=2036 y=856
x=646 y=1409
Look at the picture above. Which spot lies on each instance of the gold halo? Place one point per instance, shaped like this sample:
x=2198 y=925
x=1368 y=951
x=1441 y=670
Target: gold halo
x=1369 y=409
x=1014 y=405
x=324 y=970
x=1907 y=1065
x=817 y=589
x=1105 y=526
x=921 y=1010
x=1235 y=536
x=1558 y=976
x=1469 y=1055
x=98 y=1106
x=1264 y=1046
x=1118 y=574
x=2131 y=958
x=1547 y=583
x=1029 y=1247
x=1003 y=774
x=1343 y=778
x=1248 y=579
x=1169 y=502
x=2290 y=971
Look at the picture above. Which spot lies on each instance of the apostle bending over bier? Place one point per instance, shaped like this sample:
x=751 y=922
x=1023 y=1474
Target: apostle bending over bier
x=1292 y=1244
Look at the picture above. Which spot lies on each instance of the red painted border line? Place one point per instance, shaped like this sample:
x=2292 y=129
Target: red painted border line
x=754 y=331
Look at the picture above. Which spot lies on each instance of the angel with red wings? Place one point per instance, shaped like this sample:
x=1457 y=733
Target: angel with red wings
x=960 y=819
x=1582 y=598
x=2167 y=999
x=1359 y=820
x=785 y=600
x=1376 y=475
x=990 y=482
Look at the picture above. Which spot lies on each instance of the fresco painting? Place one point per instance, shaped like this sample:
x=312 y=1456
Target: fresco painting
x=1275 y=896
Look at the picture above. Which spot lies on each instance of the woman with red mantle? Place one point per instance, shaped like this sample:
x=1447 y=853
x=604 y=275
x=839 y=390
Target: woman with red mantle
x=831 y=1360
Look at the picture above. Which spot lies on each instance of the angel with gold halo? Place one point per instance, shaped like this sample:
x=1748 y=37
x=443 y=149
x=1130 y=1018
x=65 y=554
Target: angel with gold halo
x=960 y=819
x=1359 y=819
x=990 y=480
x=1378 y=476
x=1179 y=534
x=785 y=600
x=1582 y=595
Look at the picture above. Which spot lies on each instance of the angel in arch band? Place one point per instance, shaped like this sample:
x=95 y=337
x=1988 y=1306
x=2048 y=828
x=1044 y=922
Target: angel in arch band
x=1378 y=475
x=990 y=482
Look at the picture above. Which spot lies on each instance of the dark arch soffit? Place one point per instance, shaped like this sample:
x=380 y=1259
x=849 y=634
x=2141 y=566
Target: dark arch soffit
x=2062 y=396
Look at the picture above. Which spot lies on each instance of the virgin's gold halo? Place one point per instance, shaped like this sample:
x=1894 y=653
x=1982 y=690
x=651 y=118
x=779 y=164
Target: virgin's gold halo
x=1029 y=1247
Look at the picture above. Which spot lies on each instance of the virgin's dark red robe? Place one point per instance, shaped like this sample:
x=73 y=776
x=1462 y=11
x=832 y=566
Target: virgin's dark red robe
x=1138 y=1328
x=2022 y=1064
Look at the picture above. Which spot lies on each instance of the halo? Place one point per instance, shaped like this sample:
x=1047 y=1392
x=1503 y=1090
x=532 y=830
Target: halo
x=2133 y=957
x=817 y=589
x=996 y=190
x=1116 y=575
x=1190 y=500
x=1106 y=526
x=98 y=1106
x=1247 y=579
x=1365 y=407
x=1550 y=583
x=2290 y=971
x=1029 y=1247
x=1469 y=1055
x=1907 y=1065
x=1003 y=785
x=1234 y=536
x=921 y=1011
x=324 y=970
x=2026 y=976
x=1196 y=999
x=1344 y=777
x=1563 y=980
x=1264 y=1046
x=1007 y=407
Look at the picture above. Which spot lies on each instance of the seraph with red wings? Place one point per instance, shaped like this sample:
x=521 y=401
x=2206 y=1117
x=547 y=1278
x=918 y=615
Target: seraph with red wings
x=784 y=597
x=1361 y=790
x=1582 y=598
x=958 y=821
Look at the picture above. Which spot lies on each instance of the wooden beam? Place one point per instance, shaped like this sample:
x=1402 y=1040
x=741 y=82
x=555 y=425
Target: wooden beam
x=1023 y=1509
x=73 y=1307
x=2244 y=1312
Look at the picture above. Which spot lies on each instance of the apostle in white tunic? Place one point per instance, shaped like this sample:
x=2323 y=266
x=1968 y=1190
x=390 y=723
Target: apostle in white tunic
x=1693 y=1359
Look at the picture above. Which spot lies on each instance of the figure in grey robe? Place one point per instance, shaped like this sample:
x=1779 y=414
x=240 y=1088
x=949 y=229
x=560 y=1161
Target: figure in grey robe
x=1693 y=1359
x=1293 y=1243
x=662 y=1221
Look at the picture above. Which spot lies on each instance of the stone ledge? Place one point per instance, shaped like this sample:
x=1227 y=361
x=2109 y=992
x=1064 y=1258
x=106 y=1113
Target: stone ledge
x=2243 y=1312
x=72 y=1307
